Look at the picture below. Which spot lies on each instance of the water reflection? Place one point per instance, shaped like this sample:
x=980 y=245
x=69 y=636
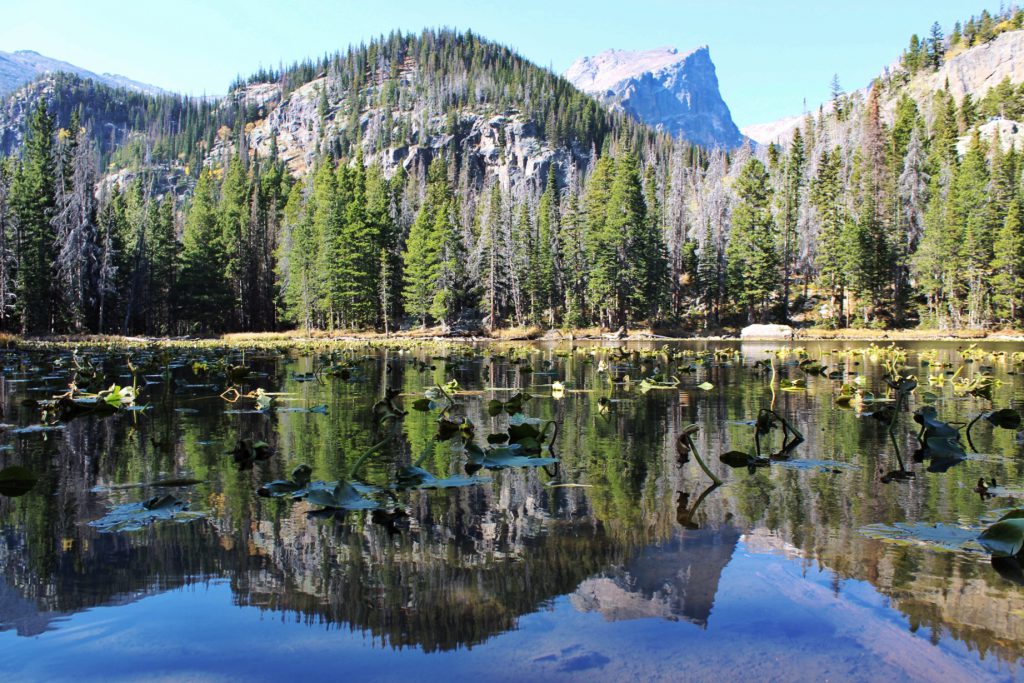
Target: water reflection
x=640 y=536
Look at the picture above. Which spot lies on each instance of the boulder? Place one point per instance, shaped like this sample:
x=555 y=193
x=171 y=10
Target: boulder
x=766 y=332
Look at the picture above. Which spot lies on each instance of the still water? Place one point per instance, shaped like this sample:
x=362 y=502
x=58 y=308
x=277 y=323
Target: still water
x=618 y=563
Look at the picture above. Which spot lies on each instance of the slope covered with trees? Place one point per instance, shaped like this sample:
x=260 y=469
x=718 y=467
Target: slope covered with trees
x=443 y=179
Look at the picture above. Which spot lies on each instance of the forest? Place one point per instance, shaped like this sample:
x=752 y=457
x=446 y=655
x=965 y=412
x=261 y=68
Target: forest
x=880 y=211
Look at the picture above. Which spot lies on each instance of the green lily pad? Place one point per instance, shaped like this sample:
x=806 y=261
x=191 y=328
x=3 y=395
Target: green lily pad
x=503 y=457
x=945 y=537
x=344 y=496
x=1007 y=418
x=16 y=481
x=418 y=478
x=135 y=516
x=1005 y=538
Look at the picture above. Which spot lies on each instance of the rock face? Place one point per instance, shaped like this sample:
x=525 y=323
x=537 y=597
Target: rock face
x=973 y=71
x=670 y=90
x=976 y=70
x=766 y=332
x=23 y=66
x=501 y=143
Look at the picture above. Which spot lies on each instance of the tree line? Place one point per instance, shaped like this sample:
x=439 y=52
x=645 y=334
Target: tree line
x=859 y=219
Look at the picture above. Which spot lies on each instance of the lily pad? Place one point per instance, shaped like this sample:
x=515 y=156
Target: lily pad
x=945 y=537
x=343 y=496
x=418 y=478
x=503 y=457
x=1005 y=538
x=1007 y=418
x=16 y=481
x=135 y=516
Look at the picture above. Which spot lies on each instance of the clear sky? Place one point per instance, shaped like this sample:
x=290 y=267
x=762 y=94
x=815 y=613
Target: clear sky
x=771 y=55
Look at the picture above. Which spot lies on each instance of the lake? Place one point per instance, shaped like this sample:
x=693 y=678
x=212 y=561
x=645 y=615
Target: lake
x=620 y=561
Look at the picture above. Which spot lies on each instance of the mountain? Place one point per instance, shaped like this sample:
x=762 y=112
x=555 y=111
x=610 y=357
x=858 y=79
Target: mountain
x=23 y=66
x=972 y=71
x=673 y=91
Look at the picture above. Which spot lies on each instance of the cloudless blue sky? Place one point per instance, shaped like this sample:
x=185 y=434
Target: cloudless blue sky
x=770 y=54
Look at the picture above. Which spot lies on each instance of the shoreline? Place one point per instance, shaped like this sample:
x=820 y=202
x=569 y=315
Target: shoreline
x=531 y=335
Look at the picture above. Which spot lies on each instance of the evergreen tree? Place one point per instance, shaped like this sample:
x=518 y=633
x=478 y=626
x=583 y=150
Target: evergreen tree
x=752 y=253
x=1008 y=266
x=423 y=255
x=206 y=296
x=32 y=205
x=548 y=249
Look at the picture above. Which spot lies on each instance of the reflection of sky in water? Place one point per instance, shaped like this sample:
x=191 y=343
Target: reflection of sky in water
x=773 y=617
x=638 y=573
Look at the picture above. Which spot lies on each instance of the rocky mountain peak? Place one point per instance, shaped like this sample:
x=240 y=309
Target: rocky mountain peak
x=667 y=88
x=24 y=66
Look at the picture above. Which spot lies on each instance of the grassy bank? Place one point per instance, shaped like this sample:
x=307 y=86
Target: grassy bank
x=533 y=333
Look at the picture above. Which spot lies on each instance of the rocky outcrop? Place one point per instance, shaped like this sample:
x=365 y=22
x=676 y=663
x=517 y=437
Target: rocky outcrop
x=975 y=71
x=766 y=332
x=670 y=90
x=505 y=143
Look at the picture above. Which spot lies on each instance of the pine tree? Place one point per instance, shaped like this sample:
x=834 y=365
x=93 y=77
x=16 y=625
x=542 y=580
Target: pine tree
x=790 y=212
x=1008 y=266
x=422 y=259
x=381 y=225
x=574 y=262
x=233 y=219
x=752 y=253
x=297 y=259
x=936 y=46
x=620 y=248
x=32 y=205
x=494 y=258
x=206 y=297
x=548 y=249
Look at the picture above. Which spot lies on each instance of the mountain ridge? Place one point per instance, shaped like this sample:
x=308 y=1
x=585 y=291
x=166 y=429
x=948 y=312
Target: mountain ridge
x=21 y=67
x=672 y=90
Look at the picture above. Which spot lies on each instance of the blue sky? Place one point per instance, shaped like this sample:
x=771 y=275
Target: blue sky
x=770 y=55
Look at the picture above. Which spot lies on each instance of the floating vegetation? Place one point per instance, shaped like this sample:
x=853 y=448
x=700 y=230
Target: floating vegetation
x=16 y=480
x=945 y=537
x=135 y=516
x=248 y=451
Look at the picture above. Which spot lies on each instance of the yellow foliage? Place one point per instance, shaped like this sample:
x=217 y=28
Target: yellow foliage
x=224 y=133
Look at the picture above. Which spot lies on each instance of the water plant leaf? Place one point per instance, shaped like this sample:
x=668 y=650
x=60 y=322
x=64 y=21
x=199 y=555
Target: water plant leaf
x=343 y=496
x=1007 y=418
x=1005 y=538
x=16 y=481
x=936 y=536
x=927 y=417
x=503 y=457
x=283 y=487
x=135 y=516
x=413 y=477
x=706 y=386
x=738 y=459
x=248 y=451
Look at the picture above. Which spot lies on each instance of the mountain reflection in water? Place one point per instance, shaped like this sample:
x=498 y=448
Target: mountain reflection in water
x=641 y=539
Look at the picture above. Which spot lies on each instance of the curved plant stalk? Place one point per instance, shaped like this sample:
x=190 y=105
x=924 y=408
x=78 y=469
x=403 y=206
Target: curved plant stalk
x=971 y=424
x=362 y=458
x=685 y=436
x=684 y=516
x=544 y=432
